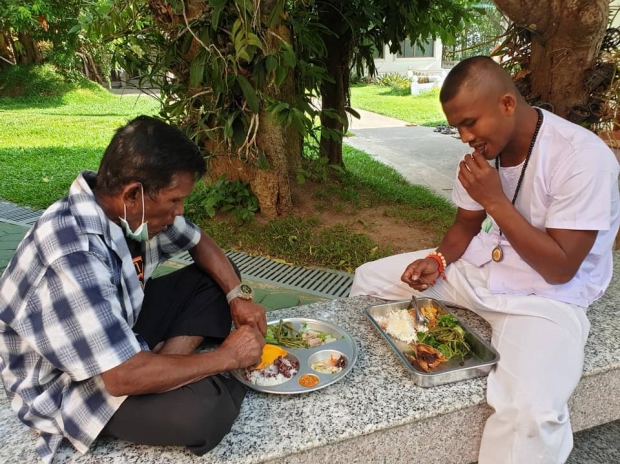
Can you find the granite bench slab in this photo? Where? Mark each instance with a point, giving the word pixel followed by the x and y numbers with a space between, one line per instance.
pixel 375 414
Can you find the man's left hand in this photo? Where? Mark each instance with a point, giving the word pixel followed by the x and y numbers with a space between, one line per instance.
pixel 480 179
pixel 246 312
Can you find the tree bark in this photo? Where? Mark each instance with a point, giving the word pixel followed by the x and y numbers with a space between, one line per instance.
pixel 5 51
pixel 271 186
pixel 281 146
pixel 31 53
pixel 334 95
pixel 566 38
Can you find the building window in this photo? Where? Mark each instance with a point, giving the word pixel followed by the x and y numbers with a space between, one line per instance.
pixel 419 50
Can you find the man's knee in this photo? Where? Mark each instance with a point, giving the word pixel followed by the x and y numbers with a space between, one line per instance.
pixel 207 421
pixel 532 418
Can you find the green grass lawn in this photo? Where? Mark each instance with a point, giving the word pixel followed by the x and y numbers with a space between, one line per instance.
pixel 365 183
pixel 423 109
pixel 46 141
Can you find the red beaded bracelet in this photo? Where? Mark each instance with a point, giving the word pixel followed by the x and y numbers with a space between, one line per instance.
pixel 440 263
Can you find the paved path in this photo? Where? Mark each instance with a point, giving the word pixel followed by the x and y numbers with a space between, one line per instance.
pixel 422 156
pixel 425 157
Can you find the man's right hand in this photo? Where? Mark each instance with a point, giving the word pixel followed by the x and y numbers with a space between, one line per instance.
pixel 421 274
pixel 245 346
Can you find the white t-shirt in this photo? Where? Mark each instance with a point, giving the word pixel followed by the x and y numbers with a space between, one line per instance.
pixel 571 182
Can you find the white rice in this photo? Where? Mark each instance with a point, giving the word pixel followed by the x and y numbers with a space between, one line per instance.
pixel 269 376
pixel 399 324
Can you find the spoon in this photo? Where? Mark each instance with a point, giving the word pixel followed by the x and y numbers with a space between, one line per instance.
pixel 420 320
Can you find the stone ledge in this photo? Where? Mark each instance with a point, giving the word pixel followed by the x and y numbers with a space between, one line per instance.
pixel 375 414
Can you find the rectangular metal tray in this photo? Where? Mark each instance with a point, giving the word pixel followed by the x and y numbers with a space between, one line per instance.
pixel 477 364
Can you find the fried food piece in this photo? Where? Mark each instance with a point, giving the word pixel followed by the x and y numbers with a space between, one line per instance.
pixel 430 313
pixel 425 356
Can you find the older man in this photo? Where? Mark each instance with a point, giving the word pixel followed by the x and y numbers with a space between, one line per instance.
pixel 89 344
pixel 530 250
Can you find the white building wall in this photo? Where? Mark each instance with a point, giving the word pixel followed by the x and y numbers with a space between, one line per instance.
pixel 427 65
pixel 614 8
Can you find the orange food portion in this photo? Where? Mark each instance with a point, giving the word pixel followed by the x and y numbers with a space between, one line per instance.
pixel 308 380
pixel 270 354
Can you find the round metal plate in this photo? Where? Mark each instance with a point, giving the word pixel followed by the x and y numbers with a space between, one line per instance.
pixel 344 344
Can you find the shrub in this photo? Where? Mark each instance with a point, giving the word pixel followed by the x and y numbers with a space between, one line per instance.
pixel 223 195
pixel 42 80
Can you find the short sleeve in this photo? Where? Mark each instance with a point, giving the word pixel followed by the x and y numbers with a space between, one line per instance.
pixel 180 236
pixel 75 318
pixel 461 198
pixel 581 195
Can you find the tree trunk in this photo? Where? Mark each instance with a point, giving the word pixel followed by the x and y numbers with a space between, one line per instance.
pixel 281 147
pixel 566 38
pixel 271 186
pixel 334 95
pixel 31 53
pixel 5 51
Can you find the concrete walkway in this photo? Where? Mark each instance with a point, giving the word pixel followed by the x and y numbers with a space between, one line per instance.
pixel 422 156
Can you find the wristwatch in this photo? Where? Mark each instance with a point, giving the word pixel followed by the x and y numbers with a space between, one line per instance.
pixel 243 291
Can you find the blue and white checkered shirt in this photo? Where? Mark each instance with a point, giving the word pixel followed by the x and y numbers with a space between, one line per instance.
pixel 68 302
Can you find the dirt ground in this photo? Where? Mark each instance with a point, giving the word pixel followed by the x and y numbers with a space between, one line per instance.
pixel 382 228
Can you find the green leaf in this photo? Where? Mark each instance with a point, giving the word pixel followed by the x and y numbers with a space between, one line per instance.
pixel 263 162
pixel 280 75
pixel 187 41
pixel 276 14
pixel 75 28
pixel 249 93
pixel 287 54
pixel 352 112
pixel 239 131
pixel 252 39
pixel 270 63
pixel 217 3
pixel 197 69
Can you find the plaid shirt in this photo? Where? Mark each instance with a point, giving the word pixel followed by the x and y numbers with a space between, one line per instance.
pixel 68 302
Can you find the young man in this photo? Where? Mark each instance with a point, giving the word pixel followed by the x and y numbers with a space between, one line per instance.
pixel 529 251
pixel 89 345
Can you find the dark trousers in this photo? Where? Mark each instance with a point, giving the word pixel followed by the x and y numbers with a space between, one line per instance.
pixel 187 302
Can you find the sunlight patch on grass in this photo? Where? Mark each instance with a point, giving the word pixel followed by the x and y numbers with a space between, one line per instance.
pixel 423 109
pixel 46 142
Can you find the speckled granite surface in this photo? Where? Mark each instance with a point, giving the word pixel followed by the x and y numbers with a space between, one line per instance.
pixel 375 414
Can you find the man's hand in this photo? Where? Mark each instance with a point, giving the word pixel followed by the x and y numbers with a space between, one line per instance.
pixel 246 312
pixel 421 274
pixel 244 346
pixel 480 179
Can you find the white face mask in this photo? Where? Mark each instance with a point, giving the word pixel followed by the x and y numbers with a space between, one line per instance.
pixel 141 234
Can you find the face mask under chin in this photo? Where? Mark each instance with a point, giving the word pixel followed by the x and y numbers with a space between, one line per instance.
pixel 141 234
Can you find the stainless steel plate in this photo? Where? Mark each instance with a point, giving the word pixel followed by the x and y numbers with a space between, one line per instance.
pixel 477 364
pixel 344 345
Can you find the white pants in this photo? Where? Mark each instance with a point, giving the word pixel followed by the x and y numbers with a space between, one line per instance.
pixel 541 345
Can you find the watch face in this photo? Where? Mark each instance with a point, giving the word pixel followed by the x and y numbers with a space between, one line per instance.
pixel 246 289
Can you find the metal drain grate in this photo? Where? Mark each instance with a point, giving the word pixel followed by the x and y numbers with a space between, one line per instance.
pixel 320 282
pixel 18 215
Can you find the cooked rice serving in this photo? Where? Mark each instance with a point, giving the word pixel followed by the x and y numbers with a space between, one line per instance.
pixel 280 371
pixel 399 324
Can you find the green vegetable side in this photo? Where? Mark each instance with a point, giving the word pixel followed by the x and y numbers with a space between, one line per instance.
pixel 447 336
pixel 284 334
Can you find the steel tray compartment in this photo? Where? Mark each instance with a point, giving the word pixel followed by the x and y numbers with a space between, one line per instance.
pixel 344 345
pixel 477 364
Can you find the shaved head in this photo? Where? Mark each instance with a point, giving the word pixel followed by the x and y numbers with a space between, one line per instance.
pixel 479 74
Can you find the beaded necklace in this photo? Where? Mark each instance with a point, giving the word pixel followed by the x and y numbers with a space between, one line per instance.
pixel 498 254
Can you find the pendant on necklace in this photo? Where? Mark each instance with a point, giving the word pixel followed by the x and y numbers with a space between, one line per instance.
pixel 497 254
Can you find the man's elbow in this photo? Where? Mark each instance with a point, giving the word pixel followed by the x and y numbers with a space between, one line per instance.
pixel 561 276
pixel 114 387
